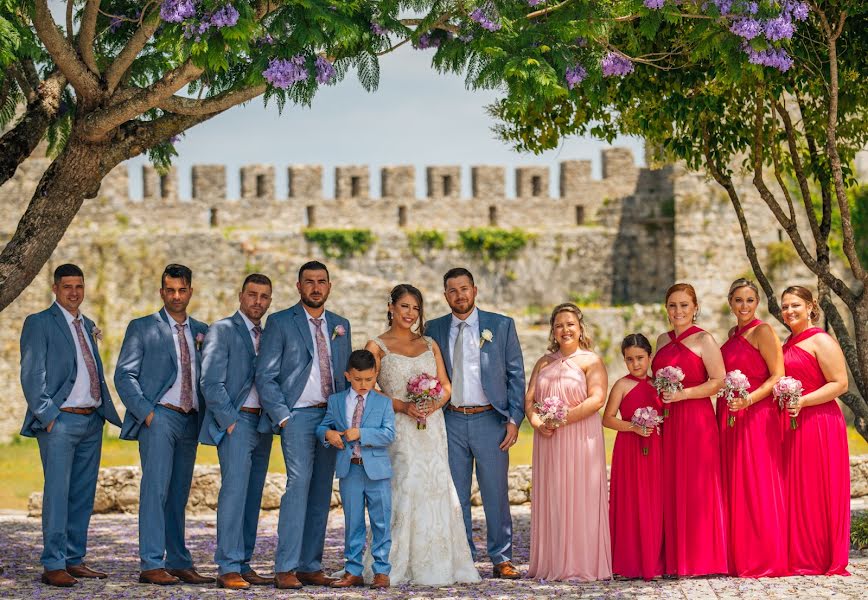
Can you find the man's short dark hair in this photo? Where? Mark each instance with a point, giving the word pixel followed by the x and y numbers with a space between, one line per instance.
pixel 67 270
pixel 176 272
pixel 457 272
pixel 313 265
pixel 361 360
pixel 257 278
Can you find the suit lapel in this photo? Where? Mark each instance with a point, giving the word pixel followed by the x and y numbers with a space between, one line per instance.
pixel 368 408
pixel 301 321
pixel 441 336
pixel 484 323
pixel 338 361
pixel 88 326
pixel 60 320
pixel 241 329
pixel 167 334
pixel 342 413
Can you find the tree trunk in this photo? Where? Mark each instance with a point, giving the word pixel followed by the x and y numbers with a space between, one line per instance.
pixel 75 175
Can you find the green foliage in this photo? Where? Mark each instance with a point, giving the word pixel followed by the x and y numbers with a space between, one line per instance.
pixel 492 243
pixel 780 254
pixel 859 531
pixel 341 243
pixel 425 239
pixel 591 298
pixel 858 198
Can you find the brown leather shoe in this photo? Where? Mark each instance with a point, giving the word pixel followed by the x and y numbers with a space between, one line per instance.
pixel 381 581
pixel 348 580
pixel 505 570
pixel 190 576
pixel 287 581
pixel 158 577
pixel 253 578
pixel 58 578
pixel 315 578
pixel 84 572
pixel 232 581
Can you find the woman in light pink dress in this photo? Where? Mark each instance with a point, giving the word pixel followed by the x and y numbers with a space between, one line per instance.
pixel 816 458
pixel 569 527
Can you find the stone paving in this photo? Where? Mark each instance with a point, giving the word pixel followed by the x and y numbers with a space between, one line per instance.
pixel 113 547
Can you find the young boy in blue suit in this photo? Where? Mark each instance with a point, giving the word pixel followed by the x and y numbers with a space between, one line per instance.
pixel 360 424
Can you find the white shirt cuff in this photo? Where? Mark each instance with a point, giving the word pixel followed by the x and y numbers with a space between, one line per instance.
pixel 283 420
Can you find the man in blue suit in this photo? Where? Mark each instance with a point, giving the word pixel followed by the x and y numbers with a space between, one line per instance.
pixel 67 405
pixel 157 379
pixel 235 424
pixel 361 425
pixel 484 362
pixel 304 350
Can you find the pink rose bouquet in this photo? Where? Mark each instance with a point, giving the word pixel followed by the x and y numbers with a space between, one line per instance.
pixel 668 379
pixel 735 385
pixel 421 389
pixel 552 411
pixel 788 390
pixel 647 418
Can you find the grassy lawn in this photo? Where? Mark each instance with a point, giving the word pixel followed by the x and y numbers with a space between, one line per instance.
pixel 21 471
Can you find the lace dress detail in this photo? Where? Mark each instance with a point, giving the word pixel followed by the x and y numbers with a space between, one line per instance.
pixel 429 544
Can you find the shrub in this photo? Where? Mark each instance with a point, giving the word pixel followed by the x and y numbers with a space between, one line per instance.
pixel 341 243
pixel 492 243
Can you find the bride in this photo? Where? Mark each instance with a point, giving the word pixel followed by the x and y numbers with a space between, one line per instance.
pixel 429 543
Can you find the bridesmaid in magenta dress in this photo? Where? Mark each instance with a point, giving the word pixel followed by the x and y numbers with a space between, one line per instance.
pixel 694 526
pixel 636 500
pixel 751 448
pixel 816 458
pixel 569 528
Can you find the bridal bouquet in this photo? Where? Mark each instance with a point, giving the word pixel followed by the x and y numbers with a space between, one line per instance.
pixel 552 411
pixel 422 389
pixel 668 379
pixel 735 384
pixel 788 390
pixel 646 417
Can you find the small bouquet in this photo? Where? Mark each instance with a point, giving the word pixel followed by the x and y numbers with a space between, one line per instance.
pixel 735 384
pixel 421 389
pixel 788 390
pixel 552 411
pixel 668 379
pixel 646 417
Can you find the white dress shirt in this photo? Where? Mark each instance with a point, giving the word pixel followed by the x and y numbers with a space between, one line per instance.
pixel 173 395
pixel 252 400
pixel 79 395
pixel 351 404
pixel 311 395
pixel 472 392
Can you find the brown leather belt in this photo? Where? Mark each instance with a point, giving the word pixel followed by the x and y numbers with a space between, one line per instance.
pixel 252 411
pixel 356 461
pixel 469 410
pixel 178 409
pixel 79 410
pixel 320 405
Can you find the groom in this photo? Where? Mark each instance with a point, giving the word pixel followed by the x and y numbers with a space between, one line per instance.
pixel 483 360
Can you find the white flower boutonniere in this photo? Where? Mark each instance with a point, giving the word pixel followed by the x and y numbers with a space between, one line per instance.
pixel 339 331
pixel 486 336
pixel 96 332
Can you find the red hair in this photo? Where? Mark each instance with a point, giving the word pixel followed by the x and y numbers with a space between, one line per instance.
pixel 682 287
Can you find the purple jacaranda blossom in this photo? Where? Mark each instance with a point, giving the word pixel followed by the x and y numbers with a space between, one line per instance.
pixel 654 4
pixel 779 28
pixel 378 29
pixel 427 40
pixel 175 139
pixel 115 23
pixel 797 10
pixel 175 11
pixel 581 42
pixel 325 71
pixel 282 73
pixel 487 17
pixel 616 65
pixel 723 6
pixel 534 2
pixel 770 57
pixel 746 28
pixel 575 75
pixel 224 17
pixel 752 8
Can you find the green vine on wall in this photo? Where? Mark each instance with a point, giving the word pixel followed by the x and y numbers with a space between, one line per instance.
pixel 341 243
pixel 492 243
pixel 780 254
pixel 425 239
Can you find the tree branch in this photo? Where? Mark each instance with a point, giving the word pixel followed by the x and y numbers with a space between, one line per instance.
pixel 115 72
pixel 799 170
pixel 30 73
pixel 214 104
pixel 70 8
pixel 87 33
pixel 544 11
pixel 22 82
pixel 137 137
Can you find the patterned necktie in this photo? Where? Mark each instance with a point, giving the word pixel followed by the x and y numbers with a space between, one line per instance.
pixel 186 378
pixel 357 421
pixel 257 332
pixel 322 353
pixel 89 362
pixel 458 366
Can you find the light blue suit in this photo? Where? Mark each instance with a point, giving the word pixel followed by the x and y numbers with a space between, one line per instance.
pixel 146 369
pixel 228 367
pixel 286 355
pixel 70 453
pixel 368 483
pixel 478 437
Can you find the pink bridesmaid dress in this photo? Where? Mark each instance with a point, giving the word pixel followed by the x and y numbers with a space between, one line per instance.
pixel 816 473
pixel 694 526
pixel 569 529
pixel 636 498
pixel 751 452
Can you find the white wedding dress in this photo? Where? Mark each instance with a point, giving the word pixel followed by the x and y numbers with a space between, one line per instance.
pixel 429 544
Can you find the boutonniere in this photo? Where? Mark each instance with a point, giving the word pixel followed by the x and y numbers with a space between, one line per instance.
pixel 200 338
pixel 96 332
pixel 486 336
pixel 339 331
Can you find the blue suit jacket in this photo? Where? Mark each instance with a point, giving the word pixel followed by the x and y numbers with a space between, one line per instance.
pixel 48 369
pixel 147 367
pixel 500 361
pixel 286 354
pixel 228 367
pixel 377 432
